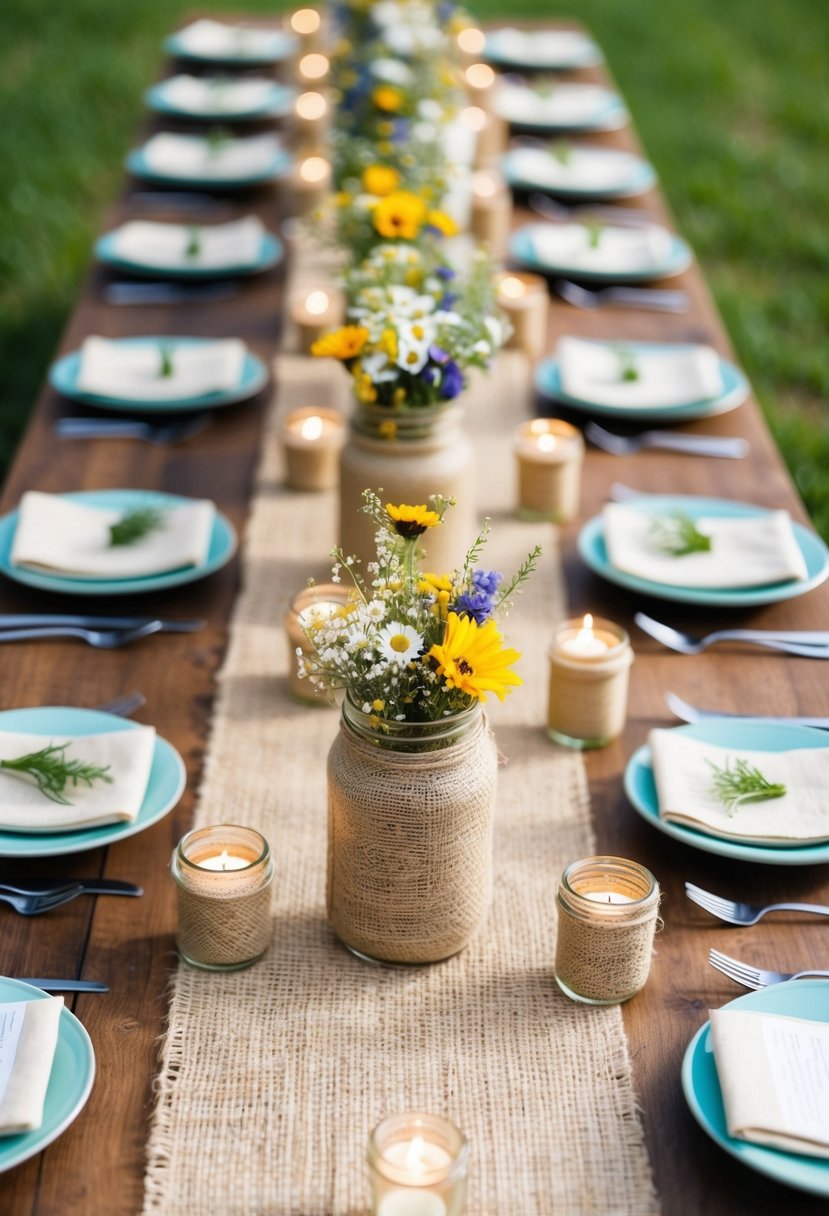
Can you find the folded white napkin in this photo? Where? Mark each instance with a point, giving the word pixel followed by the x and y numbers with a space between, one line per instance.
pixel 186 156
pixel 28 1040
pixel 745 552
pixel 542 48
pixel 165 246
pixel 129 753
pixel 217 95
pixel 592 372
pixel 566 104
pixel 618 250
pixel 132 372
pixel 216 39
pixel 588 169
pixel 774 1076
pixel 57 534
pixel 683 774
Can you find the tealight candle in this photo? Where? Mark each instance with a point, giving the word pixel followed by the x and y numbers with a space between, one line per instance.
pixel 312 438
pixel 480 81
pixel 306 23
pixel 490 215
pixel 313 67
pixel 417 1165
pixel 470 43
pixel 525 300
pixel 491 134
pixel 311 114
pixel 320 309
pixel 607 916
pixel 224 876
pixel 589 673
pixel 310 184
pixel 549 454
pixel 310 607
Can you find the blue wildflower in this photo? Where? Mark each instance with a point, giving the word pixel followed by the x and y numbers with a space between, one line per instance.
pixel 452 382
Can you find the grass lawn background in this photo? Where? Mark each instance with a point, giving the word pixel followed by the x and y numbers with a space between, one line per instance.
pixel 729 97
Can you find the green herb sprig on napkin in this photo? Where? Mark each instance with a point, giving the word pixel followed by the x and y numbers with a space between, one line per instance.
pixel 135 525
pixel 742 783
pixel 628 368
pixel 677 535
pixel 595 229
pixel 193 241
pixel 165 353
pixel 52 772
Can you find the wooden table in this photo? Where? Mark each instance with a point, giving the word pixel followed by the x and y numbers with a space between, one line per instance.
pixel 96 1167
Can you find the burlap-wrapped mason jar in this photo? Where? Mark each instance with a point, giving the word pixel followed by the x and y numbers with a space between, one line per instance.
pixel 410 834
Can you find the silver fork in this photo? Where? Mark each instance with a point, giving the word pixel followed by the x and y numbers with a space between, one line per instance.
pixel 736 913
pixel 727 446
pixel 646 298
pixel 755 977
pixel 34 905
pixel 128 428
pixel 690 713
pixel 101 639
pixel 813 645
pixel 623 217
pixel 123 706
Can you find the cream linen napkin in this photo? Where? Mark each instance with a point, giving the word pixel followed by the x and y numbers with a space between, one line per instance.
pixel 129 753
pixel 539 47
pixel 165 245
pixel 619 249
pixel 592 372
pixel 186 156
pixel 754 551
pixel 132 371
pixel 774 1077
pixel 683 774
pixel 32 1028
pixel 217 39
pixel 57 534
pixel 216 95
pixel 584 169
pixel 565 105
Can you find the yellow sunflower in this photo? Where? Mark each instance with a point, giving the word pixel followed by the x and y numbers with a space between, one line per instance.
pixel 387 98
pixel 473 660
pixel 443 222
pixel 380 180
pixel 399 214
pixel 440 586
pixel 411 521
pixel 345 343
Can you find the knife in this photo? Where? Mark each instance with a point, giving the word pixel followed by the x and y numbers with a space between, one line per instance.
pixel 91 886
pixel 63 985
pixel 36 620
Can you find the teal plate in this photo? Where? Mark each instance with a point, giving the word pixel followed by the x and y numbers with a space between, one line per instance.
pixel 282 47
pixel 271 252
pixel 280 102
pixel 593 551
pixel 641 177
pixel 751 734
pixel 611 116
pixel 70 1083
pixel 807 999
pixel 63 377
pixel 136 163
pixel 221 550
pixel 521 250
pixel 587 54
pixel 164 789
pixel 734 392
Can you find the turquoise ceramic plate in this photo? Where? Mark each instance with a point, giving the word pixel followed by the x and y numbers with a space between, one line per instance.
pixel 611 115
pixel 63 377
pixel 280 45
pixel 521 250
pixel 734 392
pixel 278 103
pixel 751 734
pixel 164 789
pixel 271 253
pixel 639 177
pixel 593 551
pixel 221 550
pixel 578 51
pixel 136 163
pixel 808 999
pixel 70 1083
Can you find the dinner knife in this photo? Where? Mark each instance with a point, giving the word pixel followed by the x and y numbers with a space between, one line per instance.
pixel 50 985
pixel 45 619
pixel 91 886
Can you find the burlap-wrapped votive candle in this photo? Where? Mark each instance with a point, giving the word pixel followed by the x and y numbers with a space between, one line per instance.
pixel 549 455
pixel 490 211
pixel 309 608
pixel 417 1166
pixel 589 673
pixel 224 874
pixel 526 301
pixel 607 916
pixel 312 438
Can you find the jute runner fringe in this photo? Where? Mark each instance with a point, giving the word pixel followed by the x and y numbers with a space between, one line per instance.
pixel 272 1078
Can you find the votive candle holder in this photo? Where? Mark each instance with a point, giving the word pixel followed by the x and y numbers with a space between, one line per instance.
pixel 417 1165
pixel 310 607
pixel 590 664
pixel 549 455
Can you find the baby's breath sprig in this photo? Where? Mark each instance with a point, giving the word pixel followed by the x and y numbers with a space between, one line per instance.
pixel 52 772
pixel 742 783
pixel 677 535
pixel 135 525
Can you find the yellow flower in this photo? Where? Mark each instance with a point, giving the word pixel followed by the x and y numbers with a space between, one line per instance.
pixel 473 660
pixel 387 98
pixel 387 429
pixel 398 396
pixel 399 214
pixel 378 706
pixel 364 388
pixel 440 586
pixel 380 180
pixel 443 222
pixel 345 343
pixel 412 521
pixel 388 343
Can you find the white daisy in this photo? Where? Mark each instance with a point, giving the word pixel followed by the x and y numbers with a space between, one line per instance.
pixel 399 643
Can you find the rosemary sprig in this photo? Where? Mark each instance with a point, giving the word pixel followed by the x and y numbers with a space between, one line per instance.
pixel 677 535
pixel 742 783
pixel 217 139
pixel 193 247
pixel 595 228
pixel 135 525
pixel 52 772
pixel 628 369
pixel 562 151
pixel 545 86
pixel 165 353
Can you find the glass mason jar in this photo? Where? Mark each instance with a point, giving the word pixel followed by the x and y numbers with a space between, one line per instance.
pixel 417 1164
pixel 406 458
pixel 410 834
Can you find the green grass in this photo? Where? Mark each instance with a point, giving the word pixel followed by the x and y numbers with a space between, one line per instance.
pixel 729 97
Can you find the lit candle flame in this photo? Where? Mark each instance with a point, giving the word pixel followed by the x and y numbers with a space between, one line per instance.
pixel 414 1155
pixel 480 76
pixel 312 427
pixel 585 635
pixel 484 185
pixel 317 303
pixel 311 106
pixel 305 21
pixel 313 66
pixel 314 170
pixel 512 287
pixel 471 41
pixel 547 442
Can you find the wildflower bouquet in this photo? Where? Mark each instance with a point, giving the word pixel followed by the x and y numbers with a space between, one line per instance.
pixel 379 209
pixel 413 646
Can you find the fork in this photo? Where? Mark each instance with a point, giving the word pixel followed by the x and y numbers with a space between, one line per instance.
pixel 34 905
pixel 646 298
pixel 123 706
pixel 130 428
pixel 744 914
pixel 690 713
pixel 755 977
pixel 727 446
pixel 168 293
pixel 623 217
pixel 807 644
pixel 101 639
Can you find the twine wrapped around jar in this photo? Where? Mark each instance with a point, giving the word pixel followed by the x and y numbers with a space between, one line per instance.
pixel 410 835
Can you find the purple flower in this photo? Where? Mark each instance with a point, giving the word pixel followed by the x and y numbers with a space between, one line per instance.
pixel 430 374
pixel 487 581
pixel 445 272
pixel 449 298
pixel 438 355
pixel 452 381
pixel 476 604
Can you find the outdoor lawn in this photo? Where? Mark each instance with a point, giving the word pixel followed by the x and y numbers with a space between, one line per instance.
pixel 730 99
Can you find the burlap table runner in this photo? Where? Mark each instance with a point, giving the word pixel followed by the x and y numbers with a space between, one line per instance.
pixel 271 1079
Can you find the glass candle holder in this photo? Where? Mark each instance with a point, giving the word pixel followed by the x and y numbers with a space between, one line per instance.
pixel 312 116
pixel 607 915
pixel 310 184
pixel 224 874
pixel 490 211
pixel 320 309
pixel 312 438
pixel 526 301
pixel 549 453
pixel 418 1166
pixel 589 674
pixel 307 608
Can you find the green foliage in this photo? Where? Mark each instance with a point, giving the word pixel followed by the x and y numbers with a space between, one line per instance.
pixel 52 772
